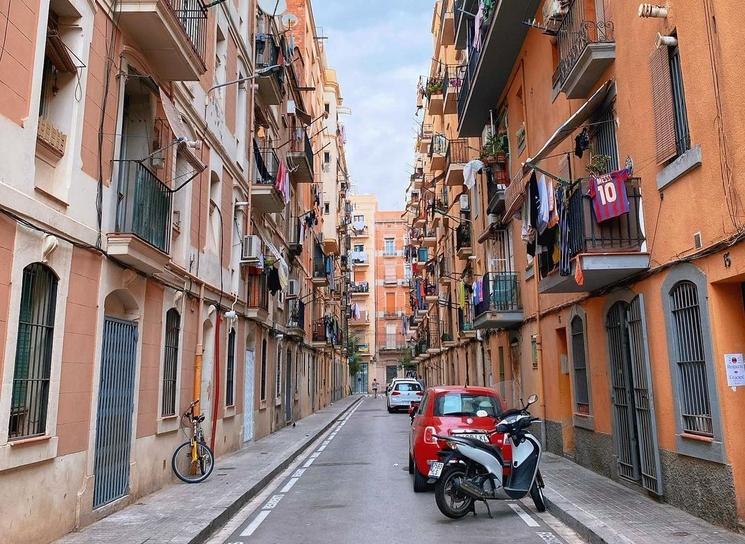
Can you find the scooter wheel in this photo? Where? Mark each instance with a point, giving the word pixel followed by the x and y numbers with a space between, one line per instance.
pixel 536 493
pixel 452 503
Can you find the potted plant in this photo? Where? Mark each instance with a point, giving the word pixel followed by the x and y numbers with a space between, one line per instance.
pixel 493 151
pixel 446 337
pixel 598 165
pixel 434 86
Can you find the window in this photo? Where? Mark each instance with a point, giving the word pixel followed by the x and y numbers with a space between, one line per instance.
pixel 500 352
pixel 327 107
pixel 359 248
pixel 170 363
pixel 278 375
pixel 581 394
pixel 603 137
pixel 668 100
pixel 263 370
pixel 326 157
pixel 690 360
pixel 390 303
pixel 33 364
pixel 230 371
pixel 326 208
pixel 358 219
pixel 465 404
pixel 390 273
pixel 390 246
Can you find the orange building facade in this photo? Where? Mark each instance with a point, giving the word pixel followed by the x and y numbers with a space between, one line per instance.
pixel 619 300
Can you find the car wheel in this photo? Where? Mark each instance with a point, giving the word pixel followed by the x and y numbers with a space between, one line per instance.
pixel 420 482
pixel 411 465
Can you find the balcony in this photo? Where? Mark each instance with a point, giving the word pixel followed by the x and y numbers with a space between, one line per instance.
pixel 360 288
pixel 455 160
pixel 265 197
pixel 430 292
pixel 586 47
pixel 390 343
pixel 435 95
pixel 437 152
pixel 500 307
pixel 271 87
pixel 424 139
pixel 330 245
pixel 465 319
pixel 364 350
pixel 322 268
pixel 143 219
pixel 463 240
pixel 362 321
pixel 429 236
pixel 495 194
pixel 300 157
pixel 502 34
pixel 257 305
pixel 359 258
pixel 433 336
pixel 443 270
pixel 464 9
pixel 608 252
pixel 296 319
pixel 360 231
pixel 172 35
pixel 294 241
pixel 453 83
pixel 319 338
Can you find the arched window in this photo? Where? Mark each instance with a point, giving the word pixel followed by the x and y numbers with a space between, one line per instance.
pixel 170 362
pixel 263 369
pixel 579 365
pixel 690 359
pixel 230 371
pixel 33 364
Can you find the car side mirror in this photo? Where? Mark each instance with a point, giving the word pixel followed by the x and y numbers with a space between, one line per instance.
pixel 413 409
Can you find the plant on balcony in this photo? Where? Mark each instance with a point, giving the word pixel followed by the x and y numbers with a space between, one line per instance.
pixel 434 86
pixel 446 337
pixel 598 165
pixel 494 150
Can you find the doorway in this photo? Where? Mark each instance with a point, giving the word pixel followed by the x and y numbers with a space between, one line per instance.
pixel 288 386
pixel 360 380
pixel 248 396
pixel 635 432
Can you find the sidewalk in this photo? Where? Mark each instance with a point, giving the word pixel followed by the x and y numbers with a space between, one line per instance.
pixel 603 511
pixel 188 514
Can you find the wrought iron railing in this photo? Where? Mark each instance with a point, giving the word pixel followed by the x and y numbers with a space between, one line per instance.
pixel 144 205
pixel 302 144
pixel 620 234
pixel 466 315
pixel 296 319
pixel 457 152
pixel 258 294
pixel 266 165
pixel 439 145
pixel 453 78
pixel 495 194
pixel 576 32
pixel 463 236
pixel 267 54
pixel 500 293
pixel 359 287
pixel 319 330
pixel 192 15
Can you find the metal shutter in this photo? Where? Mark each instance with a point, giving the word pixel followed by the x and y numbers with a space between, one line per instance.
pixel 662 104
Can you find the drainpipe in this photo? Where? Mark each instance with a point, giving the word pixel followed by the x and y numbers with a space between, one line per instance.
pixel 216 398
pixel 539 347
pixel 199 354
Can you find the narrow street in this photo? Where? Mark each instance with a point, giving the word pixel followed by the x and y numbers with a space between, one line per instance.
pixel 353 486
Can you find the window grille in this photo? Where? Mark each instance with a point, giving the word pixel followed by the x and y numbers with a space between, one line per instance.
pixel 230 371
pixel 604 137
pixel 278 375
pixel 581 396
pixel 682 136
pixel 31 376
pixel 690 359
pixel 170 363
pixel 263 369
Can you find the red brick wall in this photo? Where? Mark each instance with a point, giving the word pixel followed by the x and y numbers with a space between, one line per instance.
pixel 78 352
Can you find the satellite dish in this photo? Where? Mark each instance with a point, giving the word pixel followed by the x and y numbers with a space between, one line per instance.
pixel 289 20
pixel 273 7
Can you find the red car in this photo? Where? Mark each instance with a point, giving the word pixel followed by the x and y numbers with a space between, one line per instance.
pixel 471 411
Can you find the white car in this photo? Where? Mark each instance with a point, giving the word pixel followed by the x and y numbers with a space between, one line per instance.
pixel 403 393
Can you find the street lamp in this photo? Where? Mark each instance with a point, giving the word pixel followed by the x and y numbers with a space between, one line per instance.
pixel 262 72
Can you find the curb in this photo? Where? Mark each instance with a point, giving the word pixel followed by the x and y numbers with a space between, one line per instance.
pixel 227 514
pixel 591 529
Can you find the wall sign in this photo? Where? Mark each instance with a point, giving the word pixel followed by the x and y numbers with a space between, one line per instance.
pixel 735 366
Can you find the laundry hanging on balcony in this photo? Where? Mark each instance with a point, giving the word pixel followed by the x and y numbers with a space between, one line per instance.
pixel 608 194
pixel 469 172
pixel 282 183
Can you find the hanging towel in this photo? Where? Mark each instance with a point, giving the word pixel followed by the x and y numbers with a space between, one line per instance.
pixel 543 215
pixel 272 282
pixel 284 274
pixel 476 43
pixel 469 172
pixel 565 259
pixel 579 274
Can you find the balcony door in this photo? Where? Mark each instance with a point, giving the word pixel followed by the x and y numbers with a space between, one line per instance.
pixel 390 303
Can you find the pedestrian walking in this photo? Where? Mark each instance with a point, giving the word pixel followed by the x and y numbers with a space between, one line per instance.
pixel 375 387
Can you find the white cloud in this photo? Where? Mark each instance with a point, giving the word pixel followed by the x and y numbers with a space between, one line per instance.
pixel 379 55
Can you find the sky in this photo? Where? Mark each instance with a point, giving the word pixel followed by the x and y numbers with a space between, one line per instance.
pixel 379 49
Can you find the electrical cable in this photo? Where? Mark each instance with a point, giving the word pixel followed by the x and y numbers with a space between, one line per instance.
pixel 5 32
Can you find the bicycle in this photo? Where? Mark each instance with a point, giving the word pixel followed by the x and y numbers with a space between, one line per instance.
pixel 193 461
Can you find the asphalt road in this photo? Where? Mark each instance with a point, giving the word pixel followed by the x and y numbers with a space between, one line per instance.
pixel 353 486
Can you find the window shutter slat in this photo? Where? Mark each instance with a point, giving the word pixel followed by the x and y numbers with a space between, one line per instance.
pixel 662 104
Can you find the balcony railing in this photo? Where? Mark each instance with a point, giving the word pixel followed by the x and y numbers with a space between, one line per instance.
pixel 457 152
pixel 319 331
pixel 463 236
pixel 267 54
pixel 144 205
pixel 453 79
pixel 576 32
pixel 501 293
pixel 466 316
pixel 258 294
pixel 359 287
pixel 495 194
pixel 439 145
pixel 296 319
pixel 303 145
pixel 322 267
pixel 394 341
pixel 359 257
pixel 192 15
pixel 620 234
pixel 266 165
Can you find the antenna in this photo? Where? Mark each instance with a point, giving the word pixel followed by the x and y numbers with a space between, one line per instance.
pixel 273 7
pixel 289 20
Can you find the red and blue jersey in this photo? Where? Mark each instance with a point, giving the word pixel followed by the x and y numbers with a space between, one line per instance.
pixel 608 193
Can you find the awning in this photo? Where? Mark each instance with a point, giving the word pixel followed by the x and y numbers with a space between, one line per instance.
pixel 174 119
pixel 577 119
pixel 515 193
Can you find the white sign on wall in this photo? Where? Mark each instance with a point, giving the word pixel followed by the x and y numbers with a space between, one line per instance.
pixel 735 366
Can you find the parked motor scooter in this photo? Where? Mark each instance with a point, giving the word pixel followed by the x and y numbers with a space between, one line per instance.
pixel 470 470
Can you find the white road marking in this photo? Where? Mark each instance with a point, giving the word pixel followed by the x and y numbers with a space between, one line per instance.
pixel 299 472
pixel 309 462
pixel 530 522
pixel 251 527
pixel 315 455
pixel 321 448
pixel 289 485
pixel 271 503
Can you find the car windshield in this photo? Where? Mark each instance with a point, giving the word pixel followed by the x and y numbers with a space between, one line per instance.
pixel 465 404
pixel 408 387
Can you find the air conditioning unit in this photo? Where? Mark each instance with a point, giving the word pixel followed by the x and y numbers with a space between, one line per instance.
pixel 293 290
pixel 250 249
pixel 554 10
pixel 464 204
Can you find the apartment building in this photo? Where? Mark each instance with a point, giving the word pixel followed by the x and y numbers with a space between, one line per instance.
pixel 576 214
pixel 392 275
pixel 152 224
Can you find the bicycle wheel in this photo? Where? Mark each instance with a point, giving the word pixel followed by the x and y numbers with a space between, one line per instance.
pixel 189 470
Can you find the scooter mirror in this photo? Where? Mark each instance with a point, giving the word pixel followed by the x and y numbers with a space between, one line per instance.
pixel 532 399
